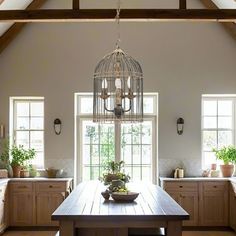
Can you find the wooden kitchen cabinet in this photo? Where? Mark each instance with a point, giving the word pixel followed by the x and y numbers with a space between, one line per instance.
pixel 3 207
pixel 33 202
pixel 21 204
pixel 49 197
pixel 214 203
pixel 232 207
pixel 186 195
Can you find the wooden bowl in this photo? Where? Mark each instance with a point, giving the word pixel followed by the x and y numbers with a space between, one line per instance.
pixel 124 197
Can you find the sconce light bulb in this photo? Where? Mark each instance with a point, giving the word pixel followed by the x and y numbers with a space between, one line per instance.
pixel 118 83
pixel 104 84
pixel 128 82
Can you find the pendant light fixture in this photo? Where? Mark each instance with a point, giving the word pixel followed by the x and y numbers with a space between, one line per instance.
pixel 118 86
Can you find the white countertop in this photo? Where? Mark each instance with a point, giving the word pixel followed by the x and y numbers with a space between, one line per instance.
pixel 233 179
pixel 37 179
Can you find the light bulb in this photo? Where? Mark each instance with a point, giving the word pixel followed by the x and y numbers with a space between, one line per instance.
pixel 118 83
pixel 104 84
pixel 128 82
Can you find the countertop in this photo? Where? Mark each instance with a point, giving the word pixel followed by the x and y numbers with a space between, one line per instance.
pixel 232 179
pixel 37 179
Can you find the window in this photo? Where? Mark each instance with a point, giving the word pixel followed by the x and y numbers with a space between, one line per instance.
pixel 135 144
pixel 28 126
pixel 218 121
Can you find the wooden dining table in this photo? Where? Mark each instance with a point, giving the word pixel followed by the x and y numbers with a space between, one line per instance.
pixel 86 213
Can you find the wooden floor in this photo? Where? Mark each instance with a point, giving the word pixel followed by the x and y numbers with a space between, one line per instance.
pixel 52 233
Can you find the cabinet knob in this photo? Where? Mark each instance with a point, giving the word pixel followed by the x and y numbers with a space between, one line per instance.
pixel 181 186
pixel 215 186
pixel 50 186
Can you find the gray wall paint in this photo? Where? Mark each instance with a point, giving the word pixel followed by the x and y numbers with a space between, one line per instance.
pixel 181 61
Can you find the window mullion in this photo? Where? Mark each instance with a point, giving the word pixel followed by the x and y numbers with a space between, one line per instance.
pixel 117 141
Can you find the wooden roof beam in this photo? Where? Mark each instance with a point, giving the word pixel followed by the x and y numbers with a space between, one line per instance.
pixel 16 28
pixel 63 15
pixel 230 27
pixel 76 4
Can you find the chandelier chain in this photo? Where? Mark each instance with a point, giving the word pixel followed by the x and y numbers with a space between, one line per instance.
pixel 118 23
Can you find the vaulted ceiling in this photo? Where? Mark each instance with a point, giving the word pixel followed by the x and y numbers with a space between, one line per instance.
pixel 9 30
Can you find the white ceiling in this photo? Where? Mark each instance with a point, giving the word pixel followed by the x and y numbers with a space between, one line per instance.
pixel 11 4
pixel 22 4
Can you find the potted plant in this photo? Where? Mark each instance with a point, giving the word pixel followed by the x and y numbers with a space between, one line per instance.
pixel 24 172
pixel 114 177
pixel 20 156
pixel 228 156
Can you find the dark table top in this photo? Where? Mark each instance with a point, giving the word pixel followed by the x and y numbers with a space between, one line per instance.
pixel 86 203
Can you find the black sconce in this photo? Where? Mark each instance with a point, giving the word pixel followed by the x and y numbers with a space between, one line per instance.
pixel 180 126
pixel 57 126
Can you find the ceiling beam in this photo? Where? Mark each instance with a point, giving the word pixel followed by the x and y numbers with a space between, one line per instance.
pixel 59 15
pixel 230 27
pixel 76 4
pixel 16 28
pixel 182 4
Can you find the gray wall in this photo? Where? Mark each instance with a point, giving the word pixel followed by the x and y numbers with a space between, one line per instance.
pixel 181 61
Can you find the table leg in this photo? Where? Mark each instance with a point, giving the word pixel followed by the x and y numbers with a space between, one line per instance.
pixel 174 228
pixel 67 228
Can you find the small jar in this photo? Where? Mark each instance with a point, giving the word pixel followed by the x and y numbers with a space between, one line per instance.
pixel 181 173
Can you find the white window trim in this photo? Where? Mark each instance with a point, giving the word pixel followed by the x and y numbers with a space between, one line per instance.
pixel 218 98
pixel 78 171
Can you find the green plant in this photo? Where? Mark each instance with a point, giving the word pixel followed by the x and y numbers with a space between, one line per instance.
pixel 113 171
pixel 4 155
pixel 21 156
pixel 226 154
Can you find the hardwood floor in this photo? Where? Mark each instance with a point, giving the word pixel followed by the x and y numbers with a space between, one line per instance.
pixel 52 233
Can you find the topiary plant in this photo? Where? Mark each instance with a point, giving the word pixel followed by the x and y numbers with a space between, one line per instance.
pixel 226 154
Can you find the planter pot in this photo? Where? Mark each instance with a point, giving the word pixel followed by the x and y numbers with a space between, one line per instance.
pixel 16 171
pixel 227 170
pixel 24 174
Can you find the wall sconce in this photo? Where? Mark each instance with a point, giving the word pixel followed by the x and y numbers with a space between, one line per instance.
pixel 180 126
pixel 57 126
pixel 2 131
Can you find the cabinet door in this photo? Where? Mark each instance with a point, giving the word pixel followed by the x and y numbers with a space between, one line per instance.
pixel 189 201
pixel 46 204
pixel 3 208
pixel 214 204
pixel 233 207
pixel 21 209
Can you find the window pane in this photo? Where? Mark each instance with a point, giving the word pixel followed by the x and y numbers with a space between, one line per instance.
pixel 210 108
pixel 209 140
pixel 127 154
pixel 148 105
pixel 209 158
pixel 98 147
pixel 225 122
pixel 225 108
pixel 22 109
pixel 37 109
pixel 39 160
pixel 224 138
pixel 209 122
pixel 22 123
pixel 147 132
pixel 36 140
pixel 86 173
pixel 22 138
pixel 146 154
pixel 146 173
pixel 136 154
pixel 36 123
pixel 86 105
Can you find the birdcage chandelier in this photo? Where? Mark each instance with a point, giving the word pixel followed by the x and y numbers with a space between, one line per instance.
pixel 118 87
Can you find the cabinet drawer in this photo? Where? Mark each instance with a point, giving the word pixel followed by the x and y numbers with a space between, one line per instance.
pixel 215 186
pixel 181 186
pixel 51 187
pixel 21 187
